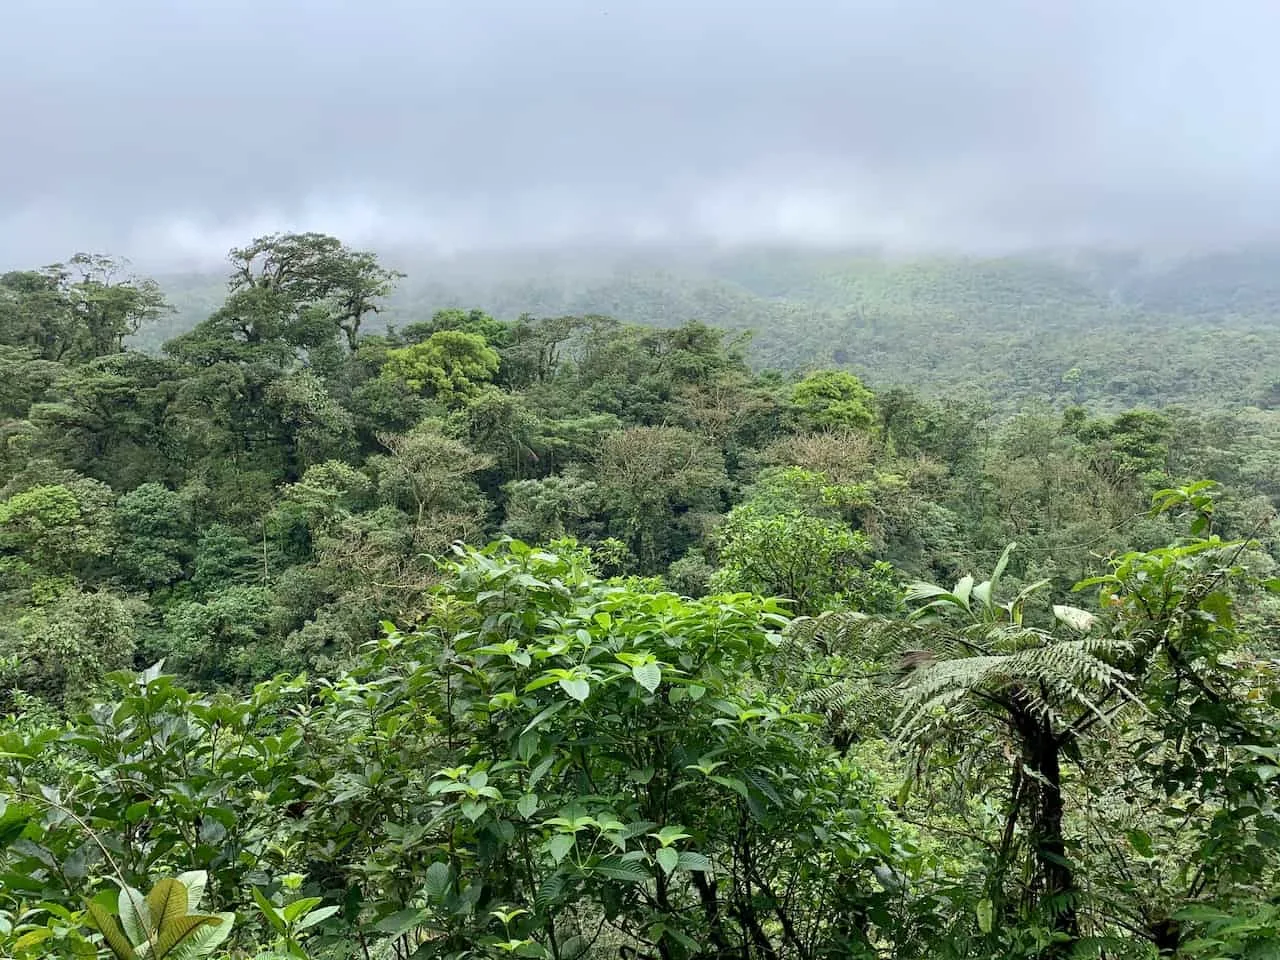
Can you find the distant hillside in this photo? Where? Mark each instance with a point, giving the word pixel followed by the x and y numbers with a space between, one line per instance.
pixel 1108 330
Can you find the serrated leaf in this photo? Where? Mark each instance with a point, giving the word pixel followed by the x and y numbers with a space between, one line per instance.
pixel 648 675
pixel 111 932
pixel 205 940
pixel 985 910
pixel 668 858
pixel 549 892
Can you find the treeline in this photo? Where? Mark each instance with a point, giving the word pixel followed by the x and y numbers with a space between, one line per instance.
pixel 276 482
pixel 1106 330
pixel 420 736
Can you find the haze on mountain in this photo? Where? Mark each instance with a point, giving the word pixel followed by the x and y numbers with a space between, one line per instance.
pixel 169 131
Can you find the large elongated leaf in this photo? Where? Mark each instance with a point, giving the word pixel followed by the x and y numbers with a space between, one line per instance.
pixel 111 932
pixel 628 871
pixel 180 929
pixel 167 902
pixel 205 940
pixel 135 916
pixel 195 882
pixel 269 910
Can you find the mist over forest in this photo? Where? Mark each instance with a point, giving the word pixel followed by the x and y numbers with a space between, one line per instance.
pixel 618 480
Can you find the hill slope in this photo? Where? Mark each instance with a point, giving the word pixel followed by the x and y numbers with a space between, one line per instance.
pixel 1110 331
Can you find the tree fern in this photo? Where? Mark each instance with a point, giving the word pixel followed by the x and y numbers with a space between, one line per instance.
pixel 962 662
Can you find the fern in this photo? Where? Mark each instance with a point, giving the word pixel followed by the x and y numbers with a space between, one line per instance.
pixel 959 654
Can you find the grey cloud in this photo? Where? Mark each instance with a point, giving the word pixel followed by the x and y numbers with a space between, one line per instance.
pixel 172 129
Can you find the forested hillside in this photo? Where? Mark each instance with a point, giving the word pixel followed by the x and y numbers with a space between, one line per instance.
pixel 1108 330
pixel 350 614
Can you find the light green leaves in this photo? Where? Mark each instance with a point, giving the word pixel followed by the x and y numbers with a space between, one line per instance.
pixel 560 845
pixel 645 669
pixel 575 687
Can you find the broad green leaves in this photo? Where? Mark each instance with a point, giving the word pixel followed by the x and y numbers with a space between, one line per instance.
pixel 161 925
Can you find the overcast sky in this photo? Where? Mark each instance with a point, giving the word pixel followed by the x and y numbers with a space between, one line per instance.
pixel 175 128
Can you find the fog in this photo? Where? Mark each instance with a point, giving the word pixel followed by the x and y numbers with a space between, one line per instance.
pixel 168 131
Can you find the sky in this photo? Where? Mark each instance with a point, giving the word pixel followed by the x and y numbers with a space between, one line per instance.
pixel 170 130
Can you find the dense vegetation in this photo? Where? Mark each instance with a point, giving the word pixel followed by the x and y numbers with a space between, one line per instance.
pixel 452 636
pixel 1108 330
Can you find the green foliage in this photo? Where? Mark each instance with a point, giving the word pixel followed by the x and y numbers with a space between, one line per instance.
pixel 163 922
pixel 807 559
pixel 449 365
pixel 555 756
pixel 832 400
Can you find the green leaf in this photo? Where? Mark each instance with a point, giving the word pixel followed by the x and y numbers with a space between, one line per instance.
pixel 693 861
pixel 985 910
pixel 669 835
pixel 549 891
pixel 292 911
pixel 437 880
pixel 31 938
pixel 135 917
pixel 648 675
pixel 668 858
pixel 167 902
pixel 615 868
pixel 178 929
pixel 269 911
pixel 401 922
pixel 111 932
pixel 1001 564
pixel 316 916
pixel 576 687
pixel 546 714
pixel 560 846
pixel 734 784
pixel 1141 841
pixel 527 805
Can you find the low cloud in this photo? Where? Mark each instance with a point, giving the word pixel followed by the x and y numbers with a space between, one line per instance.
pixel 171 131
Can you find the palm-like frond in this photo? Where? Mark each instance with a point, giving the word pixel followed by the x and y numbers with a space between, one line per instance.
pixel 910 678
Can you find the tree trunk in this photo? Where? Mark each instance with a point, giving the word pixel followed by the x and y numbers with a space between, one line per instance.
pixel 1059 891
